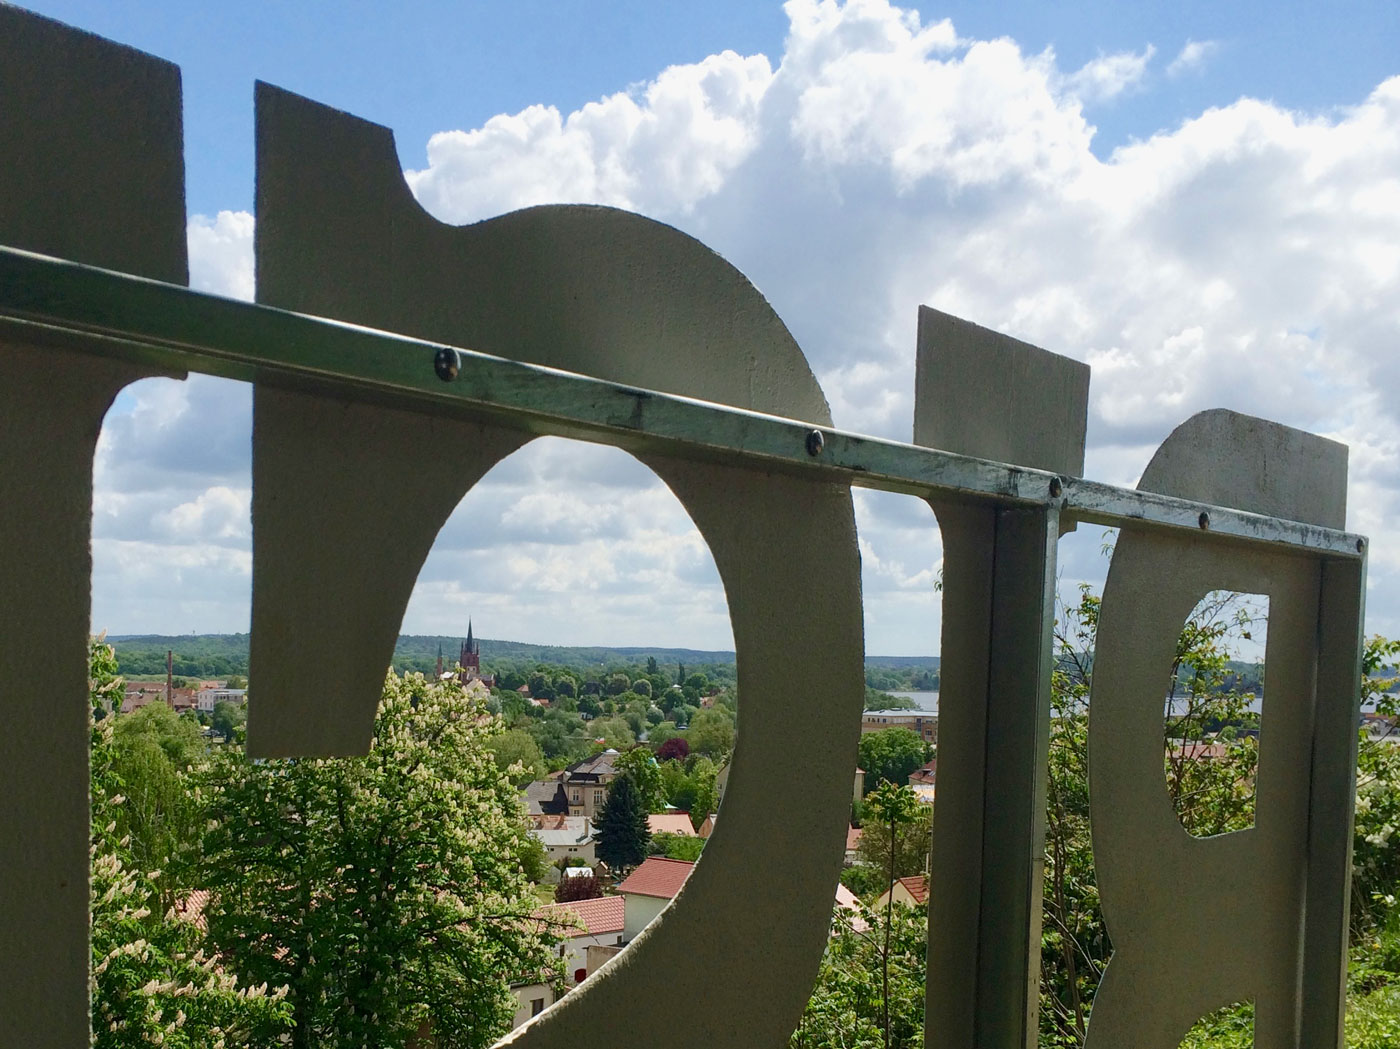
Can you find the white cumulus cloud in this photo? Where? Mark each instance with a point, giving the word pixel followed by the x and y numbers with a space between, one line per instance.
pixel 1108 76
pixel 221 253
pixel 1192 57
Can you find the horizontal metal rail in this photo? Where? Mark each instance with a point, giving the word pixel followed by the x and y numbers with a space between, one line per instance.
pixel 174 328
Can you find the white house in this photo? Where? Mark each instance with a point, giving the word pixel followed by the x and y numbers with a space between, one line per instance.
pixel 584 924
pixel 531 1000
pixel 208 697
pixel 648 889
pixel 566 838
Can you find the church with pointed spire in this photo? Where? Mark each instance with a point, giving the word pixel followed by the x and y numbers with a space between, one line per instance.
pixel 468 662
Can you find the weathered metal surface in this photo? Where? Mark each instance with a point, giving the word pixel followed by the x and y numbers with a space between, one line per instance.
pixel 1165 972
pixel 114 315
pixel 988 395
pixel 1331 803
pixel 1026 405
pixel 989 818
pixel 92 169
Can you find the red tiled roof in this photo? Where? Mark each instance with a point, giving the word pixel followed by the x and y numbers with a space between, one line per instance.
pixel 601 915
pixel 917 887
pixel 847 901
pixel 853 835
pixel 191 909
pixel 927 773
pixel 657 876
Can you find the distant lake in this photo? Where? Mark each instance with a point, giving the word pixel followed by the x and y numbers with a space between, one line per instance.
pixel 929 701
pixel 922 700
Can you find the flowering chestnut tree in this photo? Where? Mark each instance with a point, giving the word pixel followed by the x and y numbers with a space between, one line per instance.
pixel 385 892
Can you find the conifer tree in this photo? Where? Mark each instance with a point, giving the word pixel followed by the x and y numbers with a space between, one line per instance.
pixel 622 826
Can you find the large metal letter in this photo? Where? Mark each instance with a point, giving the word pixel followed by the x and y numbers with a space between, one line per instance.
pixel 984 394
pixel 92 171
pixel 348 497
pixel 1283 881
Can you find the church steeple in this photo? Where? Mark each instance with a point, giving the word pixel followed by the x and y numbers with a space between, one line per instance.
pixel 469 664
pixel 470 659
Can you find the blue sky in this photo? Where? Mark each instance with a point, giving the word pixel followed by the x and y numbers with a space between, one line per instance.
pixel 1200 200
pixel 420 66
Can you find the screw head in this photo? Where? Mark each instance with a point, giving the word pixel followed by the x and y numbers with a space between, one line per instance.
pixel 815 442
pixel 1056 487
pixel 1203 520
pixel 447 362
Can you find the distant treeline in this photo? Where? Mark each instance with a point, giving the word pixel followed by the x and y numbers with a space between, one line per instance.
pixel 420 651
pixel 223 655
pixel 902 673
pixel 196 655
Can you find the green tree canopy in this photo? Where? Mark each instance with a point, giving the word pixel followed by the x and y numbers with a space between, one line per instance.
pixel 890 755
pixel 641 766
pixel 711 733
pixel 151 985
pixel 385 892
pixel 847 1006
pixel 178 737
pixel 677 846
pixel 912 843
pixel 518 755
pixel 228 719
pixel 613 731
pixel 152 750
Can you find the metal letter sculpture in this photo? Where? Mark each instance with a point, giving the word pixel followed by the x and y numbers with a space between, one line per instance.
pixel 602 325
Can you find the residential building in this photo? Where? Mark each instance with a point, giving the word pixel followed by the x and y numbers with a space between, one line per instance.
pixel 141 693
pixel 138 695
pixel 923 781
pixel 853 835
pixel 531 1000
pixel 920 722
pixel 850 906
pixel 679 823
pixel 585 924
pixel 1380 727
pixel 545 798
pixel 592 931
pixel 566 838
pixel 909 891
pixel 207 698
pixel 648 889
pixel 586 783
